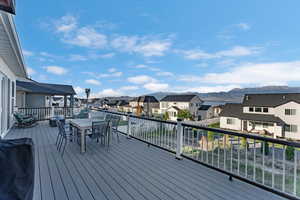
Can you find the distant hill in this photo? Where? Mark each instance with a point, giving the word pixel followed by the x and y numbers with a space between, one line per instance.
pixel 235 95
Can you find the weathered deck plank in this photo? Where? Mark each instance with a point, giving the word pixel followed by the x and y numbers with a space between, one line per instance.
pixel 128 170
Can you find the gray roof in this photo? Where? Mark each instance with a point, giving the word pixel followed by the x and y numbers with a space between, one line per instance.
pixel 204 107
pixel 270 100
pixel 45 88
pixel 146 99
pixel 236 110
pixel 179 98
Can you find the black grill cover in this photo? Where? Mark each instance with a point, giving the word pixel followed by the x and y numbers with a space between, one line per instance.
pixel 16 169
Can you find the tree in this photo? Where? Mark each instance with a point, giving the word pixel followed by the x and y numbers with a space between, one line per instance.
pixel 290 153
pixel 166 116
pixel 184 114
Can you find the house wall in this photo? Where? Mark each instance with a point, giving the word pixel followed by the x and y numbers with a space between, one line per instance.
pixel 206 114
pixel 7 101
pixel 290 119
pixel 21 99
pixel 237 125
pixel 35 100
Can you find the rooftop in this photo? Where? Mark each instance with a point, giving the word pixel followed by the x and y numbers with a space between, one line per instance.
pixel 128 170
pixel 270 100
pixel 145 99
pixel 179 98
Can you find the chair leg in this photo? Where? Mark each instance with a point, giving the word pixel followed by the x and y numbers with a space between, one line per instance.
pixel 57 139
pixel 65 144
pixel 60 142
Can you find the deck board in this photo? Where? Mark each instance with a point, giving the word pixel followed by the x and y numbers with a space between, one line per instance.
pixel 127 170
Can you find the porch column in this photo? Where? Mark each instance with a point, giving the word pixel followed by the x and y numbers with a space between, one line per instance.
pixel 65 101
pixel 72 101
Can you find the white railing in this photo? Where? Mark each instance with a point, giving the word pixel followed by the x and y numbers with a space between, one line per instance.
pixel 45 113
pixel 269 163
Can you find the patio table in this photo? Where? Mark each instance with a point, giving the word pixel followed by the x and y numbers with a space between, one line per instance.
pixel 83 125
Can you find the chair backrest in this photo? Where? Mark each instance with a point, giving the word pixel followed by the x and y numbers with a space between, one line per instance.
pixel 115 119
pixel 17 116
pixel 99 128
pixel 108 117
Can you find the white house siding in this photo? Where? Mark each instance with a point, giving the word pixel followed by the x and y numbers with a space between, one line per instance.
pixel 20 99
pixel 235 126
pixel 7 101
pixel 35 100
pixel 290 119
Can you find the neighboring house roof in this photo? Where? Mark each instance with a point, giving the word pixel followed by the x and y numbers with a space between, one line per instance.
pixel 145 99
pixel 236 110
pixel 174 107
pixel 179 98
pixel 270 100
pixel 45 88
pixel 204 107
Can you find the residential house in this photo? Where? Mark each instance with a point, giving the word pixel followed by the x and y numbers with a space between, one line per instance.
pixel 205 112
pixel 174 103
pixel 274 114
pixel 11 67
pixel 144 105
pixel 32 94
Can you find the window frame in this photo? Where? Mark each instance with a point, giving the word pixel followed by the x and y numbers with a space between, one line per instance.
pixel 290 112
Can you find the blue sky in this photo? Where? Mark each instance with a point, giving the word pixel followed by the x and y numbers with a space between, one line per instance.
pixel 140 46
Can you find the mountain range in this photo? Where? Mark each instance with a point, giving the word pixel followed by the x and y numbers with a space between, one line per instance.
pixel 235 95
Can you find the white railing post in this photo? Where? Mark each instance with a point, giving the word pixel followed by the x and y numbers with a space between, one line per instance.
pixel 52 111
pixel 128 126
pixel 179 143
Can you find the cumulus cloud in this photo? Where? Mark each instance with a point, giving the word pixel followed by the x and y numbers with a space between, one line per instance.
pixel 276 73
pixel 66 24
pixel 243 26
pixel 127 88
pixel 79 90
pixel 57 70
pixel 107 93
pixel 142 66
pixel 112 72
pixel 93 82
pixel 77 57
pixel 154 87
pixel 146 46
pixel 140 79
pixel 207 89
pixel 164 74
pixel 236 51
pixel 30 71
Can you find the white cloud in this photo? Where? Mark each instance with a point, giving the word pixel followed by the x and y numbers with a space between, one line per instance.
pixel 112 73
pixel 207 89
pixel 244 26
pixel 146 46
pixel 154 87
pixel 93 81
pixel 277 73
pixel 236 51
pixel 30 71
pixel 79 90
pixel 164 74
pixel 107 93
pixel 112 70
pixel 107 55
pixel 86 37
pixel 66 24
pixel 142 66
pixel 77 57
pixel 27 53
pixel 127 88
pixel 141 79
pixel 56 70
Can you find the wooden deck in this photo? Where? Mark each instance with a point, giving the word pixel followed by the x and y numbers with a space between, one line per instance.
pixel 129 170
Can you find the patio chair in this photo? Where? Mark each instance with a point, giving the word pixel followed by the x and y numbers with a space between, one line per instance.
pixel 100 131
pixel 62 137
pixel 115 120
pixel 16 169
pixel 24 121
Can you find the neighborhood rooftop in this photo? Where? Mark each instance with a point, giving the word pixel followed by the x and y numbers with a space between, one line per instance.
pixel 145 99
pixel 270 100
pixel 179 98
pixel 45 88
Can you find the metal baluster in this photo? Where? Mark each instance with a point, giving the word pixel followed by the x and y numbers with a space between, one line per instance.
pixel 246 159
pixel 231 147
pixel 206 147
pixel 218 152
pixel 198 145
pixel 212 150
pixel 283 175
pixel 202 153
pixel 254 161
pixel 263 162
pixel 224 151
pixel 273 163
pixel 295 172
pixel 238 167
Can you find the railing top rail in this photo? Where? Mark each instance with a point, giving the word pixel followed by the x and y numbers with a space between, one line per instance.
pixel 255 137
pixel 138 117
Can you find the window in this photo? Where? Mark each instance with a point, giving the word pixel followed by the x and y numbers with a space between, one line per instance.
pixel 258 109
pixel 230 121
pixel 251 109
pixel 291 128
pixel 290 111
pixel 265 110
